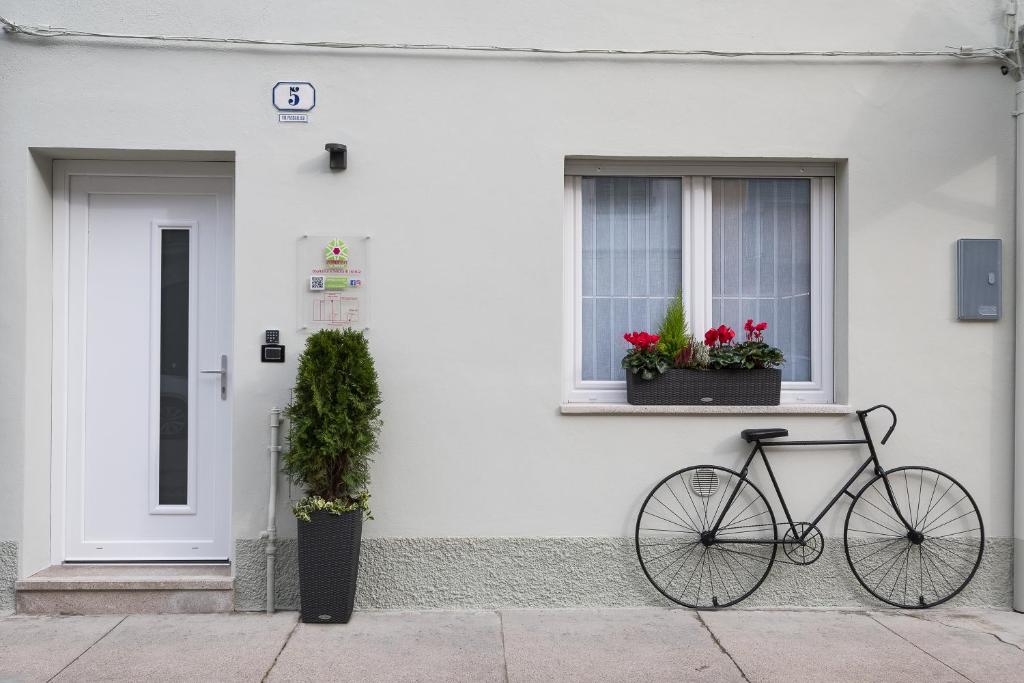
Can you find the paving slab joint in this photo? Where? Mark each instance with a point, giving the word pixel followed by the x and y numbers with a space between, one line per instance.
pixel 918 647
pixel 283 646
pixel 939 621
pixel 82 653
pixel 504 655
pixel 721 647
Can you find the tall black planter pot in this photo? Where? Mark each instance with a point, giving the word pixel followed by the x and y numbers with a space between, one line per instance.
pixel 328 566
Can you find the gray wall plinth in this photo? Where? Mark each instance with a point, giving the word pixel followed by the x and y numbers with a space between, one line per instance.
pixel 492 573
pixel 8 574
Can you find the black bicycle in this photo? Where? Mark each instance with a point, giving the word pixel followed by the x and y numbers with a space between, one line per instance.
pixel 706 537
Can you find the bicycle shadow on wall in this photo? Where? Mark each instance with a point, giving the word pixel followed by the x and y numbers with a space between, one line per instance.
pixel 707 536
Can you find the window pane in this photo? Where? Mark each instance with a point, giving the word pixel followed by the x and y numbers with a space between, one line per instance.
pixel 632 264
pixel 174 284
pixel 761 263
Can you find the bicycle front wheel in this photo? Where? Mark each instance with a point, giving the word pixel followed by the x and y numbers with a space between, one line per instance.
pixel 684 558
pixel 929 561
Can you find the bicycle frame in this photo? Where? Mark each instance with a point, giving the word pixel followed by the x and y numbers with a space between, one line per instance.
pixel 872 459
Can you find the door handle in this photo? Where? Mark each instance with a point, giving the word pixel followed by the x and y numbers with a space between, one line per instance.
pixel 223 372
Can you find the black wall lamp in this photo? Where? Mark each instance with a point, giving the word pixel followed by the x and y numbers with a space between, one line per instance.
pixel 339 156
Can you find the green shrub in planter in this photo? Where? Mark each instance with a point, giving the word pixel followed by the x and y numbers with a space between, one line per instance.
pixel 334 424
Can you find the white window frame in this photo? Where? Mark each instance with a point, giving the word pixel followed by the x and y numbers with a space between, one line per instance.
pixel 697 267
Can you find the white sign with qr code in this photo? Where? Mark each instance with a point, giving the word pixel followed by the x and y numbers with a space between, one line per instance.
pixel 334 290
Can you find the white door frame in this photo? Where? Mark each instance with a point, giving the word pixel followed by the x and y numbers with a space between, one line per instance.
pixel 63 171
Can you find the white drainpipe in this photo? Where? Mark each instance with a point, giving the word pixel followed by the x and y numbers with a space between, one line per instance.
pixel 1018 418
pixel 271 533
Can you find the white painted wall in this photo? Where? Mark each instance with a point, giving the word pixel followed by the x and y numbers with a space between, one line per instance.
pixel 455 168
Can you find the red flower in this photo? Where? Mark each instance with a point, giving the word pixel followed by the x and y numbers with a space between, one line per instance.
pixel 725 334
pixel 711 337
pixel 641 341
pixel 754 331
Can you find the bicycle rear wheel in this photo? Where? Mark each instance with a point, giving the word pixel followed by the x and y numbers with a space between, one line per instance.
pixel 928 563
pixel 679 554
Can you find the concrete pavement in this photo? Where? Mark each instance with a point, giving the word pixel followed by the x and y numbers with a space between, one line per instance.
pixel 522 645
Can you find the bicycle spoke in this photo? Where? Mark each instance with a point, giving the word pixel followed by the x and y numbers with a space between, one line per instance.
pixel 939 516
pixel 668 485
pixel 895 519
pixel 669 521
pixel 722 499
pixel 892 566
pixel 948 556
pixel 876 533
pixel 935 486
pixel 690 497
pixel 969 512
pixel 889 506
pixel 878 523
pixel 896 582
pixel 740 552
pixel 700 576
pixel 675 514
pixel 747 519
pixel 921 570
pixel 955 533
pixel 674 550
pixel 887 539
pixel 711 579
pixel 682 564
pixel 921 485
pixel 740 564
pixel 733 520
pixel 938 571
pixel 878 550
pixel 681 560
pixel 937 501
pixel 654 545
pixel 728 565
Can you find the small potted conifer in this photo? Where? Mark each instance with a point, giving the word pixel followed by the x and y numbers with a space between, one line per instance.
pixel 334 422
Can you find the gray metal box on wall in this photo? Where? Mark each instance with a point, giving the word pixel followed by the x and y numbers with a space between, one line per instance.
pixel 979 279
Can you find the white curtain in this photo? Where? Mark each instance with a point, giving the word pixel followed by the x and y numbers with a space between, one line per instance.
pixel 632 264
pixel 761 263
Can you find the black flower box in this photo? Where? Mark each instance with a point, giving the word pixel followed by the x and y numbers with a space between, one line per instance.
pixel 761 387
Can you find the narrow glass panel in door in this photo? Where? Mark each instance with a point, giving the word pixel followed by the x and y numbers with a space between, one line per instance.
pixel 174 370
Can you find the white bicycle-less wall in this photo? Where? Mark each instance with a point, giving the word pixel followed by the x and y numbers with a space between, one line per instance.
pixel 484 493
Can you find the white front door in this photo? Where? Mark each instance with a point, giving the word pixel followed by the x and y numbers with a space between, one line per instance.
pixel 148 310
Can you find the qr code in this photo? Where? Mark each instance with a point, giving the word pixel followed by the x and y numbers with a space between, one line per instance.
pixel 316 282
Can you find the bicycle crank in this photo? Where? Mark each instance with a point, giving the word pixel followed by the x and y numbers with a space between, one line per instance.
pixel 806 551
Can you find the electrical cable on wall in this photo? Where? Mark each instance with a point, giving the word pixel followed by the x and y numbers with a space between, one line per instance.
pixel 1001 54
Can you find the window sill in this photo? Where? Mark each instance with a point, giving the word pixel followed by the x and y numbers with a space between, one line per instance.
pixel 626 409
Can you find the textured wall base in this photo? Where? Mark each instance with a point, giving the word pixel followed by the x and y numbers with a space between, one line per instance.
pixel 490 573
pixel 8 574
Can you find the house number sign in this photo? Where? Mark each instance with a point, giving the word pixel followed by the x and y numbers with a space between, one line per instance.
pixel 294 96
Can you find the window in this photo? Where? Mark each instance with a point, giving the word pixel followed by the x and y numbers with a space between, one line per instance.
pixel 740 241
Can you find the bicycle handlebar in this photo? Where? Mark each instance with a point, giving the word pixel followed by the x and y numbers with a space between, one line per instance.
pixel 863 413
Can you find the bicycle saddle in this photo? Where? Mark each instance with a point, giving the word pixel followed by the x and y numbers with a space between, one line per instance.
pixel 751 435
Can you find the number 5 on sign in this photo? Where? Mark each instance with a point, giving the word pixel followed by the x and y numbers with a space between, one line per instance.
pixel 294 96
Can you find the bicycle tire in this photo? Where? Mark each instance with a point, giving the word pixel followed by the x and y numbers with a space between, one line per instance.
pixel 679 527
pixel 953 555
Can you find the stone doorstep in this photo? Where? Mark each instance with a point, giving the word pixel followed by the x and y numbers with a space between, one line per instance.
pixel 126 589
